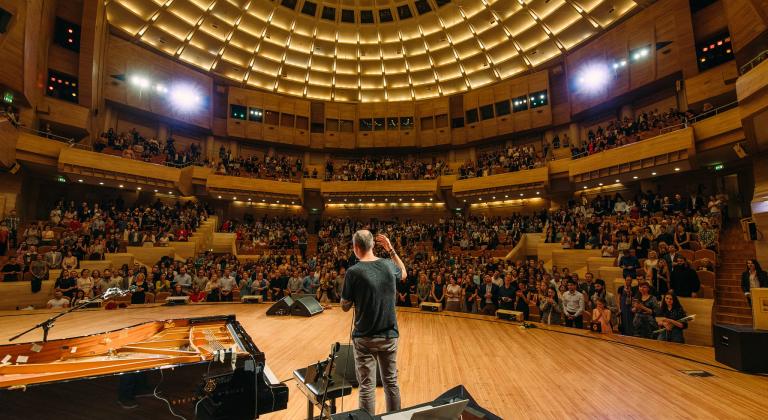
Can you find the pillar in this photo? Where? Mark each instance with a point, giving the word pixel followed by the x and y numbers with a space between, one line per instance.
pixel 473 154
pixel 209 149
pixel 574 135
pixel 760 208
pixel 627 111
pixel 162 132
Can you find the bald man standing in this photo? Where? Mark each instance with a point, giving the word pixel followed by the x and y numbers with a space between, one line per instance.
pixel 371 286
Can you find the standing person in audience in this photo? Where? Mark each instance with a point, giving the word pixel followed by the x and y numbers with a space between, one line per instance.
pixel 521 304
pixel 627 294
pixel 662 281
pixel 85 282
pixel 213 289
pixel 650 264
pixel 452 295
pixel 403 293
pixel 683 279
pixel 669 316
pixel 610 301
pixel 573 306
pixel 470 294
pixel 228 286
pixel 437 294
pixel 12 270
pixel 59 301
pixel 70 261
pixel 602 317
pixel 629 263
pixel 489 296
pixel 139 289
pixel 645 307
pixel 753 277
pixel 507 294
pixel 53 258
pixel 551 310
pixel 682 238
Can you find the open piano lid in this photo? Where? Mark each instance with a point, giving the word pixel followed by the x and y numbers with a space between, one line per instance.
pixel 211 359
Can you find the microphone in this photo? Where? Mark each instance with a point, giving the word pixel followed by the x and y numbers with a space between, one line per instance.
pixel 115 291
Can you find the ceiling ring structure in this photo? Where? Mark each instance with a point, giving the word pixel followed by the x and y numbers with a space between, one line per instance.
pixel 365 50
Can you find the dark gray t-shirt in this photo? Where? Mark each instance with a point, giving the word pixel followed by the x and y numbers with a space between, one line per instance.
pixel 371 286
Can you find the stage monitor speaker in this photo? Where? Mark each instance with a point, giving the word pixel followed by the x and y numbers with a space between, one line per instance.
pixel 741 347
pixel 281 307
pixel 5 19
pixel 306 306
pixel 344 366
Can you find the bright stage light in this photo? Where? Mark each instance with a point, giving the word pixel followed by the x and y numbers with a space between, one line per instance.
pixel 185 97
pixel 140 81
pixel 593 77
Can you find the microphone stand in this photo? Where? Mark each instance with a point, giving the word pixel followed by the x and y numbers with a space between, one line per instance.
pixel 328 377
pixel 48 323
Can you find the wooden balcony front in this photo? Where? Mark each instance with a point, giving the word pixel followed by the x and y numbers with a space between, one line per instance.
pixel 512 182
pixel 244 188
pixel 664 149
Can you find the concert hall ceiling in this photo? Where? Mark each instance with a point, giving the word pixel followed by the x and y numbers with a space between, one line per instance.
pixel 365 50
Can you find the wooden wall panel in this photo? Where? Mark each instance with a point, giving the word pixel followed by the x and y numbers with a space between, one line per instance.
pixel 711 83
pixel 747 19
pixel 127 59
pixel 709 21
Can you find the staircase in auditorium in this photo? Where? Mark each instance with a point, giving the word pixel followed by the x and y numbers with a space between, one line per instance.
pixel 730 305
pixel 312 240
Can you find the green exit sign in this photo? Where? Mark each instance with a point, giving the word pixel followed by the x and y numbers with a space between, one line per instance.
pixel 8 97
pixel 719 167
pixel 61 179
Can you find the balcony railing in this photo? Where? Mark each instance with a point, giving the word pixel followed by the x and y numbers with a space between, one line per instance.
pixel 713 112
pixel 753 63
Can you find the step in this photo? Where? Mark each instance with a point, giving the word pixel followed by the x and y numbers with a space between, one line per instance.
pixel 735 302
pixel 729 295
pixel 733 319
pixel 733 310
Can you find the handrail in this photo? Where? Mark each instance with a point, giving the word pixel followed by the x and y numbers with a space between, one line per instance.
pixel 712 112
pixel 668 129
pixel 48 135
pixel 753 62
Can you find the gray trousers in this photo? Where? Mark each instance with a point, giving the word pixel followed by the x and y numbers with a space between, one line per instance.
pixel 368 352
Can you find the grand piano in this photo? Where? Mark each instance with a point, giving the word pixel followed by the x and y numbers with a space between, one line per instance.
pixel 204 368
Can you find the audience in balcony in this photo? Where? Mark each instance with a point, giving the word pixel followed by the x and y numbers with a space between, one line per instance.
pixel 510 159
pixel 626 131
pixel 132 145
pixel 383 169
pixel 280 168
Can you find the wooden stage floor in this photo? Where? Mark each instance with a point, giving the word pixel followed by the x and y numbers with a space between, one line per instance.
pixel 514 372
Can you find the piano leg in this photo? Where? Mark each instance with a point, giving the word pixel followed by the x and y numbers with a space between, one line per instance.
pixel 310 410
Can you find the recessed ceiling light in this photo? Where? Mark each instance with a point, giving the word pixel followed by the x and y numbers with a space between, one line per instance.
pixel 79 180
pixel 600 184
pixel 156 191
pixel 293 202
pixel 386 199
pixel 585 187
pixel 330 199
pixel 494 197
pixel 234 198
pixel 170 192
pixel 345 200
pixel 138 188
pixel 249 199
pixel 677 169
pixel 413 199
pixel 464 201
pixel 653 173
pixel 359 199
pixel 373 199
pixel 278 201
pixel 506 196
pixel 263 200
pixel 101 183
pixel 400 199
pixel 634 177
pixel 430 199
pixel 618 181
pixel 122 186
pixel 537 193
pixel 521 194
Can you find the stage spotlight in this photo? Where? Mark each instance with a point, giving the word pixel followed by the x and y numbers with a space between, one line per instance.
pixel 161 88
pixel 140 81
pixel 185 97
pixel 593 77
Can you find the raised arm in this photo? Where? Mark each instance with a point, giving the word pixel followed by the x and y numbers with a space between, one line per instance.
pixel 387 245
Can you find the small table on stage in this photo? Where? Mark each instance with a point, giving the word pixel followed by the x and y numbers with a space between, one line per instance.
pixel 314 390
